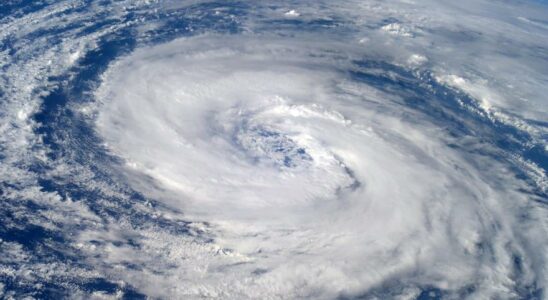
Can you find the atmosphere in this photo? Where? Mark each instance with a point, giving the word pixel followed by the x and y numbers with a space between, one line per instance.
pixel 274 150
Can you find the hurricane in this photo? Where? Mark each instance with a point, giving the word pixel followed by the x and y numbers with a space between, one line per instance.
pixel 273 149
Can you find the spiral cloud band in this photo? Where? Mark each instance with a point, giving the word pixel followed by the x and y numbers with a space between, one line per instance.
pixel 294 150
pixel 286 154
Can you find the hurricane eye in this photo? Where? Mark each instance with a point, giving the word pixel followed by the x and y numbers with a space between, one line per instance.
pixel 273 148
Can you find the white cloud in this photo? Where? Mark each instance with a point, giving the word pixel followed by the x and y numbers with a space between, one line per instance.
pixel 292 13
pixel 206 118
pixel 298 180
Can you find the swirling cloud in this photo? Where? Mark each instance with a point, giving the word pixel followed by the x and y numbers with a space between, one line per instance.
pixel 298 149
pixel 315 182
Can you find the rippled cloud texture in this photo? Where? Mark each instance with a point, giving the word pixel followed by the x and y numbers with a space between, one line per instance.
pixel 297 149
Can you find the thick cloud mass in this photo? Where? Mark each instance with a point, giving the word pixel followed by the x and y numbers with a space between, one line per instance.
pixel 294 150
pixel 314 180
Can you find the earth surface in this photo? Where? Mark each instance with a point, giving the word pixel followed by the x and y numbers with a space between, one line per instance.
pixel 273 149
